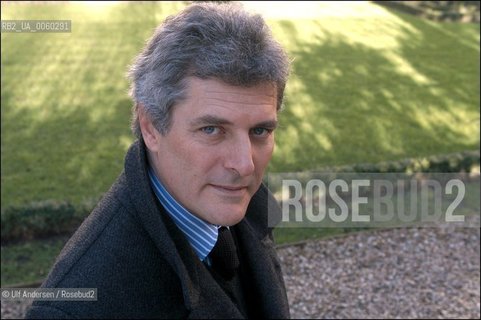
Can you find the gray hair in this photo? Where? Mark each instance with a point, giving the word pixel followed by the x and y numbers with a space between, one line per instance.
pixel 205 40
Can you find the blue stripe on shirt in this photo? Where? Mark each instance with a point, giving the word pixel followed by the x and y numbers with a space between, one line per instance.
pixel 201 235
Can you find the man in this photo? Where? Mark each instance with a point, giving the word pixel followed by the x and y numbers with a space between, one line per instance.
pixel 183 231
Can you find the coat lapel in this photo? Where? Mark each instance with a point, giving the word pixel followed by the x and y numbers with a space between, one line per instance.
pixel 261 265
pixel 211 300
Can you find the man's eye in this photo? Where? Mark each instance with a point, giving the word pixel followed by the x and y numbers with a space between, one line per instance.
pixel 261 132
pixel 210 130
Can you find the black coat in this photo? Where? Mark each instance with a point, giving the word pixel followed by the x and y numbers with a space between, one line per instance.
pixel 143 266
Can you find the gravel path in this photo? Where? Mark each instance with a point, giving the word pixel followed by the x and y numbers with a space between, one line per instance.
pixel 398 273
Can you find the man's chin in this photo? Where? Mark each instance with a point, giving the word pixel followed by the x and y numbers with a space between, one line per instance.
pixel 228 215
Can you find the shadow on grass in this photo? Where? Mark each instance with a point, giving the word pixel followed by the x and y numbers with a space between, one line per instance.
pixel 68 154
pixel 362 106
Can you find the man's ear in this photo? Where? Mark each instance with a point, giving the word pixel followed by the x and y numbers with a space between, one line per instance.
pixel 149 132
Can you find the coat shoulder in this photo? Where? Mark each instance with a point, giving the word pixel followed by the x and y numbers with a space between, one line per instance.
pixel 114 254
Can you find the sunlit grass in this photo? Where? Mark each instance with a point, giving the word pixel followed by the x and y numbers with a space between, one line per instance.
pixel 65 108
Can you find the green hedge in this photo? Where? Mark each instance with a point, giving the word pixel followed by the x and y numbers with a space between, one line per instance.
pixel 42 219
pixel 51 217
pixel 464 161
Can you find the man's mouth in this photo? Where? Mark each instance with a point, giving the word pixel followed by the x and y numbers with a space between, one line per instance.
pixel 231 190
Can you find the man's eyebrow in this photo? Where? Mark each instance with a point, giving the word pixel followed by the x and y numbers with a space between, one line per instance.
pixel 270 124
pixel 209 120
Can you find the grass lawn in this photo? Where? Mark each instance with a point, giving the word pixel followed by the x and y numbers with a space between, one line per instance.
pixel 30 261
pixel 368 84
pixel 65 108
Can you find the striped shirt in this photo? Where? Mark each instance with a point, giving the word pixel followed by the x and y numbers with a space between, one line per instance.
pixel 201 235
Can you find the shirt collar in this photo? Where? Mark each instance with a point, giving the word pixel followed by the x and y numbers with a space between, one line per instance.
pixel 201 235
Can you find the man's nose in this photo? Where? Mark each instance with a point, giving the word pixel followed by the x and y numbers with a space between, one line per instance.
pixel 240 157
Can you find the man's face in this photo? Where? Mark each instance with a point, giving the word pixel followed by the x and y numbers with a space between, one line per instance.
pixel 220 141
